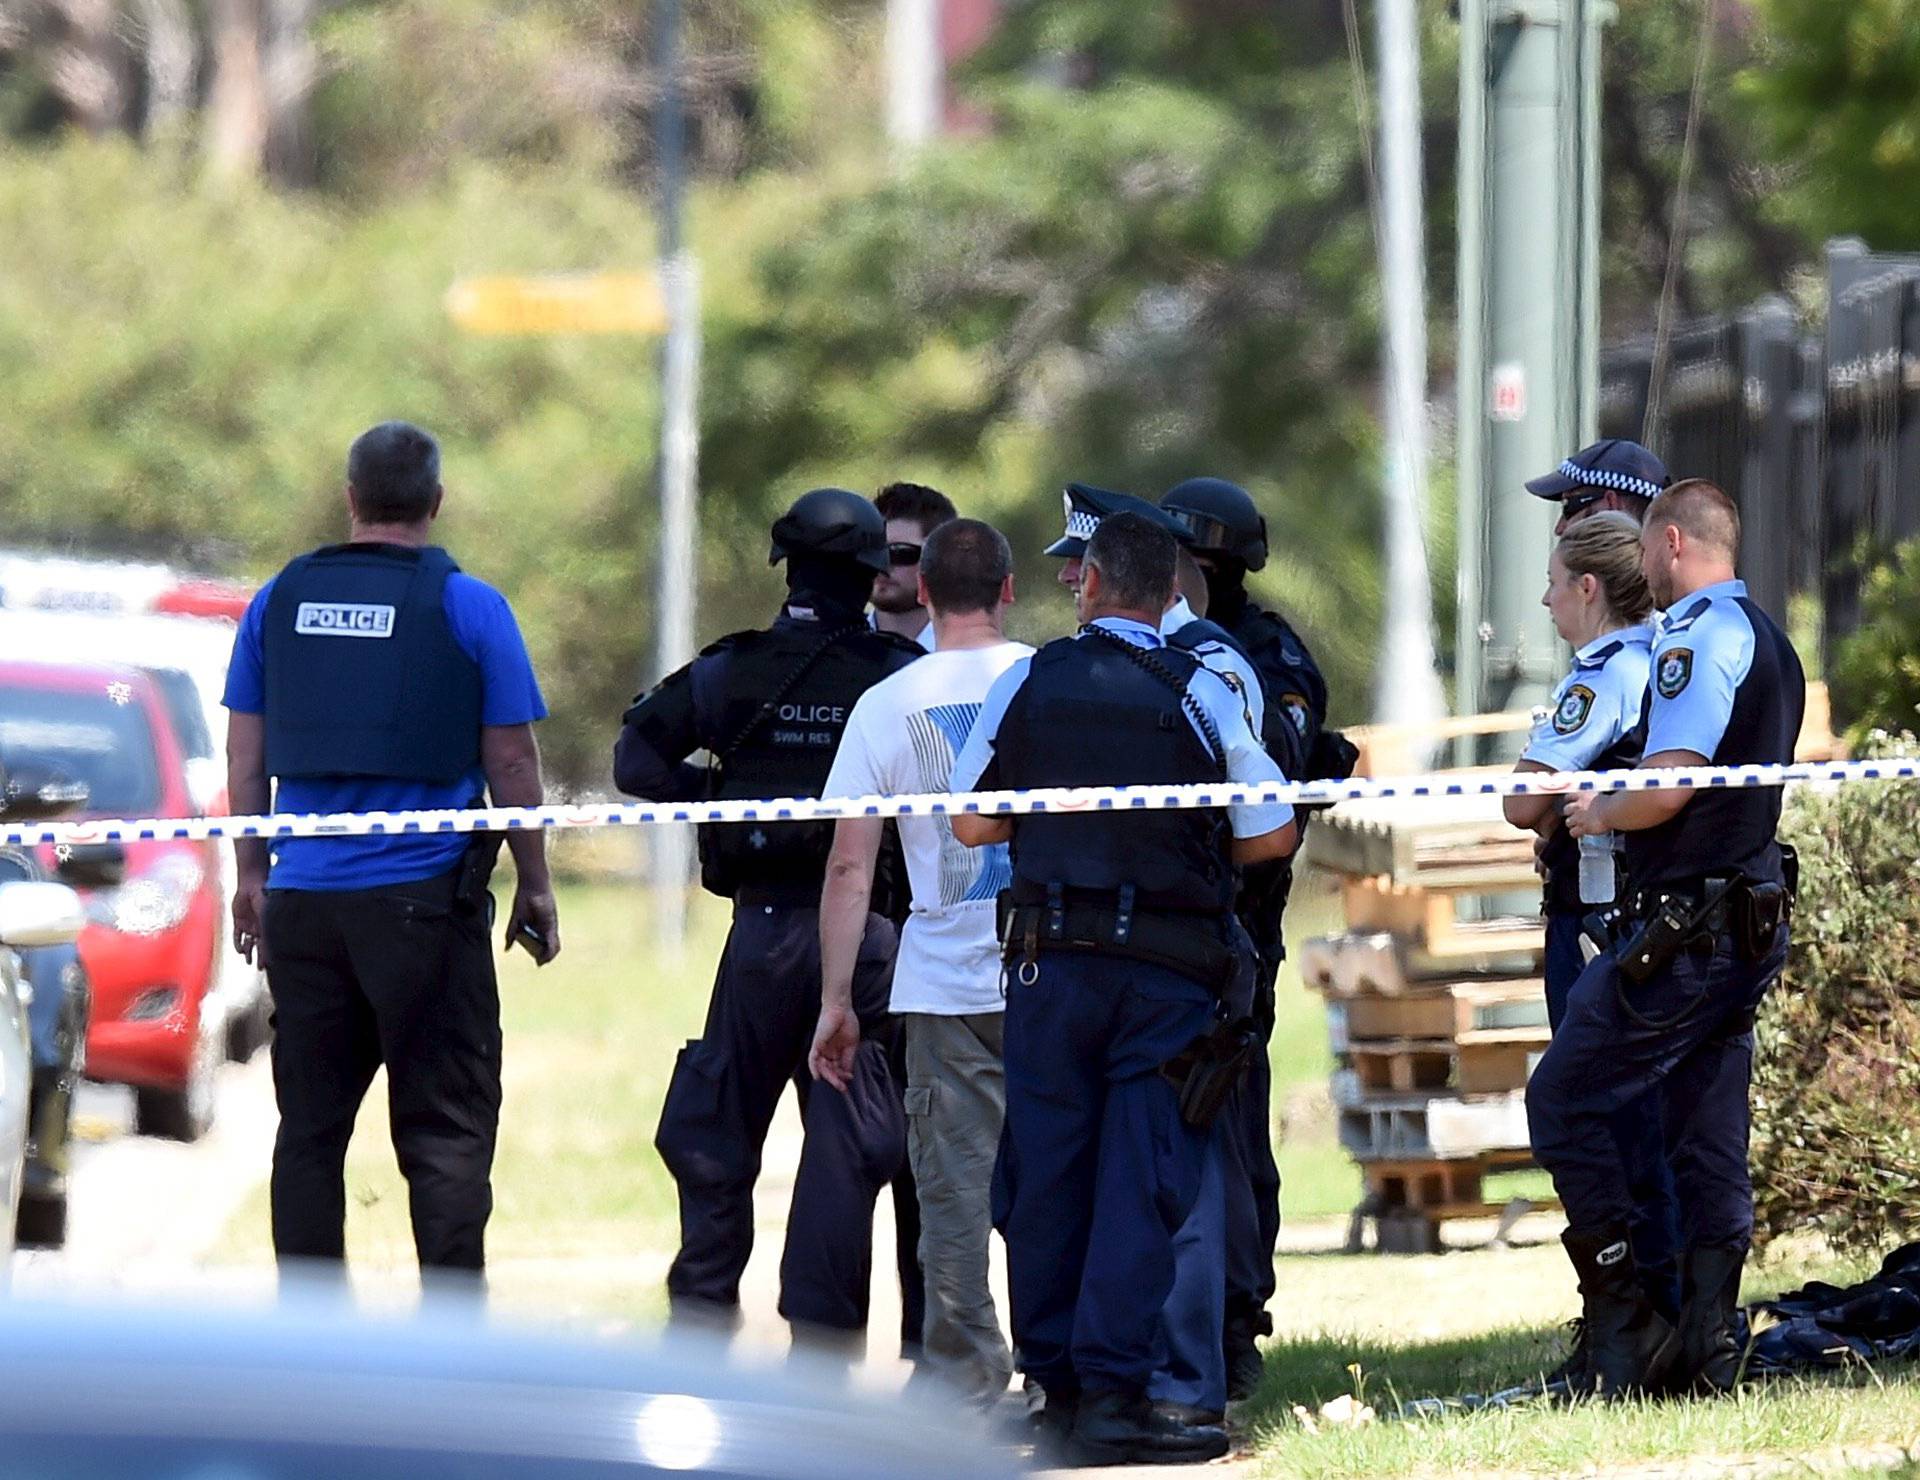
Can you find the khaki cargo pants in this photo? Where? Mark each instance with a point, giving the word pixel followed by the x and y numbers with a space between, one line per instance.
pixel 956 1101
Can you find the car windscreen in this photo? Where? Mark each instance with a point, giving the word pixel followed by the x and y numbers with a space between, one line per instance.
pixel 99 737
pixel 182 701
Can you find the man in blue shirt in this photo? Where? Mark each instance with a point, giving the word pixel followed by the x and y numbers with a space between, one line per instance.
pixel 376 676
pixel 1671 1006
pixel 1119 943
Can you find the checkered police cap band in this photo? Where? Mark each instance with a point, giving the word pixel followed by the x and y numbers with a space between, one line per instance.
pixel 1601 478
pixel 1080 523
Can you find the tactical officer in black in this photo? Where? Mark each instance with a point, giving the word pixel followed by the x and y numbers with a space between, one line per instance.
pixel 770 707
pixel 1229 539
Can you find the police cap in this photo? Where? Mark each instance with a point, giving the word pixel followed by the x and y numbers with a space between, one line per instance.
pixel 1615 465
pixel 832 521
pixel 1086 506
pixel 1219 519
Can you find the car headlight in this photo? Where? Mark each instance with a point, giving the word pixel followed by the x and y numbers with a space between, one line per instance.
pixel 153 902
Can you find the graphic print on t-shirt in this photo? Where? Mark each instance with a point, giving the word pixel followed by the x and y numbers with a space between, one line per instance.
pixel 966 874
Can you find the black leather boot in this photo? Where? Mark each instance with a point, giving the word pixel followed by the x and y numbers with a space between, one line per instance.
pixel 1245 1367
pixel 1630 1347
pixel 1711 1353
pixel 1119 1428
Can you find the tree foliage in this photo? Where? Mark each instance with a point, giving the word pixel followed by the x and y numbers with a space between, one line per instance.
pixel 1156 260
pixel 1834 89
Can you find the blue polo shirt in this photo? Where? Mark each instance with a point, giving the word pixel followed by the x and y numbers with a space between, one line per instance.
pixel 484 627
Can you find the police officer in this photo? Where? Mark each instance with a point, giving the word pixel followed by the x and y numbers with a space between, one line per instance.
pixel 1183 625
pixel 377 676
pixel 1117 938
pixel 1613 474
pixel 1191 1380
pixel 1601 606
pixel 770 707
pixel 1229 539
pixel 1672 1003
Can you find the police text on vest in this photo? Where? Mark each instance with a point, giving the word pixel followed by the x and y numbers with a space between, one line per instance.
pixel 343 619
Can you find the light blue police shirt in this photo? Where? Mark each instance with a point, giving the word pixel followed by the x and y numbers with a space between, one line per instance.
pixel 1234 670
pixel 1247 761
pixel 1702 656
pixel 1601 698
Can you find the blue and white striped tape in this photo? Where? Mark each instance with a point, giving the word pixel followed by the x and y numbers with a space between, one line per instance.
pixel 1059 799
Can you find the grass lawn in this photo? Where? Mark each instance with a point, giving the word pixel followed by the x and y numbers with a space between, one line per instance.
pixel 584 1225
pixel 1317 1178
pixel 584 1215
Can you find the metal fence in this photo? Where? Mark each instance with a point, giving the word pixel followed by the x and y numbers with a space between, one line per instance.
pixel 1816 435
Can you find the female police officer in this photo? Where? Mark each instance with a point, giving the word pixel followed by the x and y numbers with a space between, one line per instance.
pixel 1602 606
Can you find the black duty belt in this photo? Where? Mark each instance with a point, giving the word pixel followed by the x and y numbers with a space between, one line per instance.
pixel 1193 945
pixel 1645 902
pixel 777 896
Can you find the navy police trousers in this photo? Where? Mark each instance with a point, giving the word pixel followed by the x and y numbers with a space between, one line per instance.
pixel 1639 1132
pixel 1098 1170
pixel 725 1088
pixel 1688 1033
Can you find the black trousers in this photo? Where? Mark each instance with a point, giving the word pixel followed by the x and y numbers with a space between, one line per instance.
pixel 725 1088
pixel 1252 1181
pixel 399 976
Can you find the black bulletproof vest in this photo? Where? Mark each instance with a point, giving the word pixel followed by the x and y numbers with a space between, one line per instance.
pixel 1725 830
pixel 1561 855
pixel 1089 715
pixel 786 753
pixel 1294 690
pixel 363 675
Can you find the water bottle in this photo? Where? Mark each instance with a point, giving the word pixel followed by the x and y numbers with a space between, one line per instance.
pixel 1597 884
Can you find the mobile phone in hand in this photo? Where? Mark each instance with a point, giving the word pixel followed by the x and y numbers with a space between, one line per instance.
pixel 533 940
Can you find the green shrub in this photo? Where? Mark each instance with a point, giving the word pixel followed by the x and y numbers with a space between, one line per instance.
pixel 1876 679
pixel 1837 1071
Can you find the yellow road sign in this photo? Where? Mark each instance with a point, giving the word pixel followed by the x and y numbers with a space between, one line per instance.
pixel 560 303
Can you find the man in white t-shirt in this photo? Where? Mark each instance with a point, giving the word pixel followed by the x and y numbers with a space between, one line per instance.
pixel 902 737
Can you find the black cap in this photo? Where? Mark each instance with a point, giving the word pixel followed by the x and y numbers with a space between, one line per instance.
pixel 1219 518
pixel 1086 506
pixel 832 521
pixel 1615 465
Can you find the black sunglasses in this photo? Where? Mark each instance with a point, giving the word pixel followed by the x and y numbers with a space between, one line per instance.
pixel 903 554
pixel 1578 503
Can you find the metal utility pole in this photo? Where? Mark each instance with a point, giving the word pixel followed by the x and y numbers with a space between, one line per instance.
pixel 679 454
pixel 1529 314
pixel 1406 683
pixel 916 73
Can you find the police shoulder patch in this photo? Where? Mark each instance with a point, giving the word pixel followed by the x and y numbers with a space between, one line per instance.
pixel 1574 707
pixel 1297 712
pixel 1673 671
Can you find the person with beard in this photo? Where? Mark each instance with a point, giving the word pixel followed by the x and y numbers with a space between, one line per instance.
pixel 912 511
pixel 1228 539
pixel 770 707
pixel 1669 1008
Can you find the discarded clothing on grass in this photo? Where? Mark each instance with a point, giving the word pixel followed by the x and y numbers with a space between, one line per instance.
pixel 1824 1326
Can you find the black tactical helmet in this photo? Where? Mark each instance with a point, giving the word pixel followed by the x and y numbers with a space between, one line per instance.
pixel 1222 518
pixel 831 521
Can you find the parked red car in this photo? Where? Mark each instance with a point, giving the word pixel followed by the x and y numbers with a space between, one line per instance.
pixel 154 910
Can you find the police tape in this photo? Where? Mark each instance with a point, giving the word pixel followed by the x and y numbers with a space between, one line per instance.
pixel 1432 785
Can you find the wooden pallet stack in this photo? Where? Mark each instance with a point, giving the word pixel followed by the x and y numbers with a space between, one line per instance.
pixel 1435 1007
